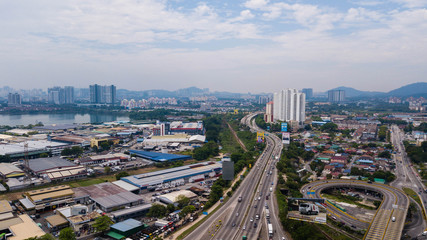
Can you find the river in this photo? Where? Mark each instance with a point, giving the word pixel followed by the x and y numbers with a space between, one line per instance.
pixel 58 118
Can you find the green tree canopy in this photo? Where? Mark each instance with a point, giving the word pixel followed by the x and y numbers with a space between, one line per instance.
pixel 157 210
pixel 67 234
pixel 122 174
pixel 102 223
pixel 182 201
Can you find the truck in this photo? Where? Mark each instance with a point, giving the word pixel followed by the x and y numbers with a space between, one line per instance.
pixel 270 230
pixel 308 209
pixel 267 213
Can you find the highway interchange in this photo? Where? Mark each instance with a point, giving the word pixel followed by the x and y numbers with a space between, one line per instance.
pixel 395 204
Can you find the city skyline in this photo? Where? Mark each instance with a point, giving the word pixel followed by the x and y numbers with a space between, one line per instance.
pixel 245 46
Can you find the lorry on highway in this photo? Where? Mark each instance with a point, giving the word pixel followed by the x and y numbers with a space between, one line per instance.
pixel 308 209
pixel 270 230
pixel 267 213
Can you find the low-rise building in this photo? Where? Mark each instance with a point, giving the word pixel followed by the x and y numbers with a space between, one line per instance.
pixel 50 198
pixel 56 222
pixel 107 196
pixel 8 170
pixel 56 169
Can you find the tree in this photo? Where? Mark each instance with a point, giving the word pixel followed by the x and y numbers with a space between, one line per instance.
pixel 385 154
pixel 44 155
pixel 182 201
pixel 121 174
pixel 67 234
pixel 47 236
pixel 157 210
pixel 107 169
pixel 170 207
pixel 102 223
pixel 329 127
pixel 105 146
pixel 328 176
pixel 187 210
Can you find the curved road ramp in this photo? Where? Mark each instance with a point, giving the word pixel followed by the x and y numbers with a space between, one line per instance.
pixel 389 219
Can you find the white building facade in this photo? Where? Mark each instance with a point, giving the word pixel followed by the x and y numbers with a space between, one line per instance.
pixel 289 105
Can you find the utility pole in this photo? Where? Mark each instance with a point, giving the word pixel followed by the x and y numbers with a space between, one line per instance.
pixel 27 164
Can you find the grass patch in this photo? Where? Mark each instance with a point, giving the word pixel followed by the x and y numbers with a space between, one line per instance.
pixel 413 195
pixel 334 234
pixel 346 199
pixel 196 225
pixel 86 182
pixel 228 142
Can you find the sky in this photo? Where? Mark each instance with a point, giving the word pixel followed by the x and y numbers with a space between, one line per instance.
pixel 239 46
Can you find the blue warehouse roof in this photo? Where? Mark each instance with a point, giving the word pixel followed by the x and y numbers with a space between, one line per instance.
pixel 126 225
pixel 159 157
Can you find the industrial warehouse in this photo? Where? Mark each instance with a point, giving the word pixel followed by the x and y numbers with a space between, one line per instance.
pixel 175 176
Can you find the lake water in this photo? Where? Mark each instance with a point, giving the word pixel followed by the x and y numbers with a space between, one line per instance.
pixel 60 118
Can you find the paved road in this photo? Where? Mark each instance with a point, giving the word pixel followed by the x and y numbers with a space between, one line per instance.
pixel 406 177
pixel 228 221
pixel 395 204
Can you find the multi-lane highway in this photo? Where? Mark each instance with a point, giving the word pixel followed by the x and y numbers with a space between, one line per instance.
pixel 237 219
pixel 390 217
pixel 406 177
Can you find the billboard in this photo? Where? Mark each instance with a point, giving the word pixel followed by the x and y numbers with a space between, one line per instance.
pixel 236 111
pixel 286 138
pixel 260 137
pixel 307 210
pixel 284 127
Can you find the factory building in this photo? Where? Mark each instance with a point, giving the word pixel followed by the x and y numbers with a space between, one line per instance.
pixel 175 176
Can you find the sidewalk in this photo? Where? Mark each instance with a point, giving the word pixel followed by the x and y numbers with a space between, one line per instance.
pixel 217 204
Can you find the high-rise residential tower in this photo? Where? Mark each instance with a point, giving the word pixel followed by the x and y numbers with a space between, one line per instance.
pixel 58 95
pixel 102 94
pixel 289 105
pixel 14 99
pixel 308 93
pixel 336 96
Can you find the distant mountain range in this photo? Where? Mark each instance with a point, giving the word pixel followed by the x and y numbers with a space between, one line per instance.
pixel 414 89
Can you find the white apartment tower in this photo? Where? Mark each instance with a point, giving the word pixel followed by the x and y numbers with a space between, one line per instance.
pixel 289 105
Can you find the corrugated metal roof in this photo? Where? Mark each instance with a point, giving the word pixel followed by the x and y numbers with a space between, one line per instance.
pixel 159 157
pixel 42 164
pixel 155 178
pixel 127 225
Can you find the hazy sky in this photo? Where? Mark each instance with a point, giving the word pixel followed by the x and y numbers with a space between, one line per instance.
pixel 239 46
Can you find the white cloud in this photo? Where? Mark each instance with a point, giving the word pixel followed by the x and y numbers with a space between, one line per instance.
pixel 412 3
pixel 151 40
pixel 256 4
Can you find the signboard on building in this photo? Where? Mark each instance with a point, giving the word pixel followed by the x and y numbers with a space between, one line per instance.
pixel 284 127
pixel 260 137
pixel 286 138
pixel 236 111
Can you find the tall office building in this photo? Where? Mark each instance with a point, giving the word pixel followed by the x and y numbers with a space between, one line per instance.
pixel 336 96
pixel 58 95
pixel 14 99
pixel 102 94
pixel 289 105
pixel 308 93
